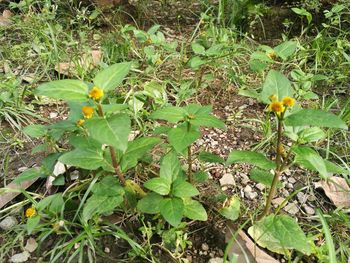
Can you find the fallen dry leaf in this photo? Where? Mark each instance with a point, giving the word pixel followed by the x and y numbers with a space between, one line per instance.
pixel 6 197
pixel 88 61
pixel 245 250
pixel 337 190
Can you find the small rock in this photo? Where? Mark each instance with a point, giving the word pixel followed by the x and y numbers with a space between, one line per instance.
pixel 53 115
pixel 277 201
pixel 8 223
pixel 291 208
pixel 22 169
pixel 227 179
pixel 301 197
pixel 292 180
pixel 31 245
pixel 251 195
pixel 224 188
pixel 216 260
pixel 247 189
pixel 309 210
pixel 311 198
pixel 290 186
pixel 20 257
pixel 260 186
pixel 245 179
pixel 107 250
pixel 205 247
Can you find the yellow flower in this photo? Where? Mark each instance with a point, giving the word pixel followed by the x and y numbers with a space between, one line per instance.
pixel 80 122
pixel 159 61
pixel 96 93
pixel 271 54
pixel 30 212
pixel 88 111
pixel 288 101
pixel 276 107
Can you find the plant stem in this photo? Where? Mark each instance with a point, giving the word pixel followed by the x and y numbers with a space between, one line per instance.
pixel 189 157
pixel 278 171
pixel 112 152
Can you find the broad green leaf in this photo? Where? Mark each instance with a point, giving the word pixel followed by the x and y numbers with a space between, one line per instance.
pixel 254 158
pixel 303 12
pixel 45 202
pixel 159 185
pixel 99 204
pixel 263 177
pixel 57 203
pixel 279 233
pixel 215 50
pixel 35 130
pixel 172 209
pixel 333 168
pixel 210 157
pixel 318 118
pixel 136 150
pixel 276 84
pixel 59 180
pixel 27 175
pixel 83 142
pixel 196 62
pixel 231 208
pixel 150 203
pixel 205 120
pixel 108 186
pixel 170 167
pixel 312 134
pixel 286 49
pixel 198 49
pixel 197 109
pixel 180 137
pixel 310 159
pixel 171 114
pixel 200 177
pixel 257 65
pixel 112 76
pixel 66 89
pixel 194 210
pixel 113 108
pixel 183 189
pixel 113 130
pixel 32 223
pixel 156 91
pixel 89 159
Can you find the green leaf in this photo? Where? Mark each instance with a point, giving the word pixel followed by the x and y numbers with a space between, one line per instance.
pixel 136 150
pixel 263 177
pixel 170 167
pixel 286 49
pixel 108 186
pixel 279 233
pixel 59 180
pixel 156 91
pixel 231 208
pixel 57 203
pixel 89 159
pixel 205 120
pixel 276 84
pixel 312 134
pixel 113 108
pixel 66 89
pixel 196 62
pixel 150 203
pixel 112 76
pixel 329 239
pixel 254 158
pixel 32 223
pixel 113 130
pixel 35 130
pixel 210 157
pixel 47 201
pixel 310 159
pixel 197 109
pixel 171 114
pixel 303 12
pixel 172 210
pixel 200 177
pixel 333 168
pixel 194 210
pixel 180 137
pixel 198 49
pixel 27 175
pixel 318 118
pixel 181 188
pixel 159 185
pixel 100 204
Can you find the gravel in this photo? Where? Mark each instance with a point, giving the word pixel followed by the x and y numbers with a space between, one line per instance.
pixel 8 223
pixel 20 257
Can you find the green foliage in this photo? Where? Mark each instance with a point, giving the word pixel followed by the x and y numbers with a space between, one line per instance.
pixel 253 158
pixel 278 233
